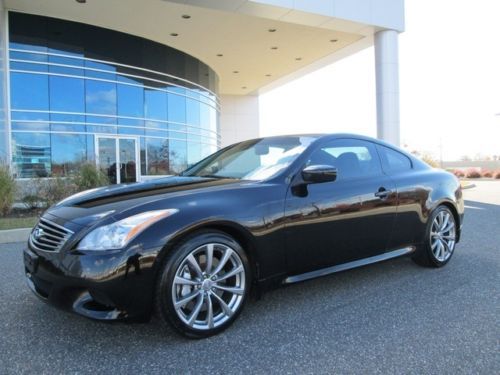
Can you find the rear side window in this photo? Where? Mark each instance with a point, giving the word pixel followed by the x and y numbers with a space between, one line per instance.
pixel 352 157
pixel 393 161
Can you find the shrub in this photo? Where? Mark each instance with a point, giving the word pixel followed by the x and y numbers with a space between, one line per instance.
pixel 487 174
pixel 459 173
pixel 55 189
pixel 90 177
pixel 496 175
pixel 472 173
pixel 31 201
pixel 7 190
pixel 430 160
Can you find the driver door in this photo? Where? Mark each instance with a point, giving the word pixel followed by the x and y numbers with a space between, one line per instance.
pixel 345 220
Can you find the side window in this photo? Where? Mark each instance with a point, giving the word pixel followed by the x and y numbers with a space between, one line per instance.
pixel 353 158
pixel 393 161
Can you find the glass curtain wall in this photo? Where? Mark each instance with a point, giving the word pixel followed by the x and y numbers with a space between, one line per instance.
pixel 71 83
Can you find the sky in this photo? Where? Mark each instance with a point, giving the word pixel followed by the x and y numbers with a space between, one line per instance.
pixel 449 77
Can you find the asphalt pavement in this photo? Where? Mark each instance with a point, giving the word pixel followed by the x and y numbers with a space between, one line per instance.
pixel 393 317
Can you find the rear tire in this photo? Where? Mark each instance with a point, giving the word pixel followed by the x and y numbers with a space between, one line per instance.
pixel 203 284
pixel 440 239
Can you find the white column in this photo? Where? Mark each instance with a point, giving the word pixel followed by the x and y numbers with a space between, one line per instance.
pixel 239 118
pixel 387 83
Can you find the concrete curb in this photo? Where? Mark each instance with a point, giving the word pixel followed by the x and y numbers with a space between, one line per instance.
pixel 469 186
pixel 14 235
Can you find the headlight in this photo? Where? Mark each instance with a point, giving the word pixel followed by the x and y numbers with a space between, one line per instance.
pixel 118 234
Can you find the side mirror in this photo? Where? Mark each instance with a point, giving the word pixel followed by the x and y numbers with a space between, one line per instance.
pixel 314 174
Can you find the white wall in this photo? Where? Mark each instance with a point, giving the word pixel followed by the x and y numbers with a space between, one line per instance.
pixel 239 118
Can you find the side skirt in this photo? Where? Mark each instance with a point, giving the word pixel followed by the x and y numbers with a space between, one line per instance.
pixel 349 265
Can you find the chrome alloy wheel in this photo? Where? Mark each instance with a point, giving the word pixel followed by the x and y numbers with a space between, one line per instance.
pixel 443 236
pixel 209 286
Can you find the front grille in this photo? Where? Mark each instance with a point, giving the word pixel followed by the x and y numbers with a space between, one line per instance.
pixel 48 236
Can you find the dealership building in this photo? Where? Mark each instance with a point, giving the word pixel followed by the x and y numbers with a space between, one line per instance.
pixel 145 88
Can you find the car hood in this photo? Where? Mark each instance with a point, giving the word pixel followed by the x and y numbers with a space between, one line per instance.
pixel 86 207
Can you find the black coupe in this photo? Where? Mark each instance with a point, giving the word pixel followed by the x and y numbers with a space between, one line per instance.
pixel 258 213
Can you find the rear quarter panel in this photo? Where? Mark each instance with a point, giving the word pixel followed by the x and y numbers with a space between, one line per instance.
pixel 419 193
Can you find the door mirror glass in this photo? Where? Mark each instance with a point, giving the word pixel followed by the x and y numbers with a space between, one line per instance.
pixel 319 173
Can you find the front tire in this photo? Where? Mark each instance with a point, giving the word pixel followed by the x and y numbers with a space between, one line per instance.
pixel 203 284
pixel 440 239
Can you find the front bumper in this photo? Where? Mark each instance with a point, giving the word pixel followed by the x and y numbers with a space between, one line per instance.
pixel 105 285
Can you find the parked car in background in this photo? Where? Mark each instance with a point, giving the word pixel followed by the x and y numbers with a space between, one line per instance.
pixel 262 212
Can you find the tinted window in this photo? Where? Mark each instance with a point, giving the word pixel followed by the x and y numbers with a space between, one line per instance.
pixel 353 158
pixel 393 161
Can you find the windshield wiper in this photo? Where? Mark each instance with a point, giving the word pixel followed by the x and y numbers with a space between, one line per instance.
pixel 214 176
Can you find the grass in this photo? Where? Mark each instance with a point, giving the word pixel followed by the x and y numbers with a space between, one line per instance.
pixel 18 222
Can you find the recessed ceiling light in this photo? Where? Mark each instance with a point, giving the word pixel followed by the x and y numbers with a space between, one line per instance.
pixel 275 48
pixel 220 55
pixel 334 40
pixel 174 34
pixel 235 71
pixel 81 1
pixel 298 58
pixel 186 16
pixel 272 30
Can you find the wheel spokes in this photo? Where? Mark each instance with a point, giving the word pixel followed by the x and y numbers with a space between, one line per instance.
pixel 210 258
pixel 193 263
pixel 201 298
pixel 210 311
pixel 225 308
pixel 444 223
pixel 196 310
pixel 182 281
pixel 225 257
pixel 231 273
pixel 229 289
pixel 186 299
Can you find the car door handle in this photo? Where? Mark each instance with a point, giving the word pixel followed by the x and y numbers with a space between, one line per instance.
pixel 383 193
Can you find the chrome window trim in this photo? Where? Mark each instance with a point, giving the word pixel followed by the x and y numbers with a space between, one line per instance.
pixel 107 116
pixel 109 81
pixel 102 115
pixel 109 125
pixel 110 72
pixel 116 135
pixel 114 64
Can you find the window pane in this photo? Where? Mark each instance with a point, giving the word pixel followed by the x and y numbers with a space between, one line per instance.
pixel 31 154
pixel 192 112
pixel 69 152
pixel 29 91
pixel 107 158
pixel 130 99
pixel 393 161
pixel 155 103
pixel 100 97
pixel 67 94
pixel 177 156
pixel 176 105
pixel 128 162
pixel 157 156
pixel 352 158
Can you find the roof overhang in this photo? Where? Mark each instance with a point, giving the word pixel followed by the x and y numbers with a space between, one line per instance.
pixel 307 34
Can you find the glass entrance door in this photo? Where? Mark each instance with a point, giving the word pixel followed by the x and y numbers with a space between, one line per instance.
pixel 117 158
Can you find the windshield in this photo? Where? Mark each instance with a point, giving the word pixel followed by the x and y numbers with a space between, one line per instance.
pixel 252 160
